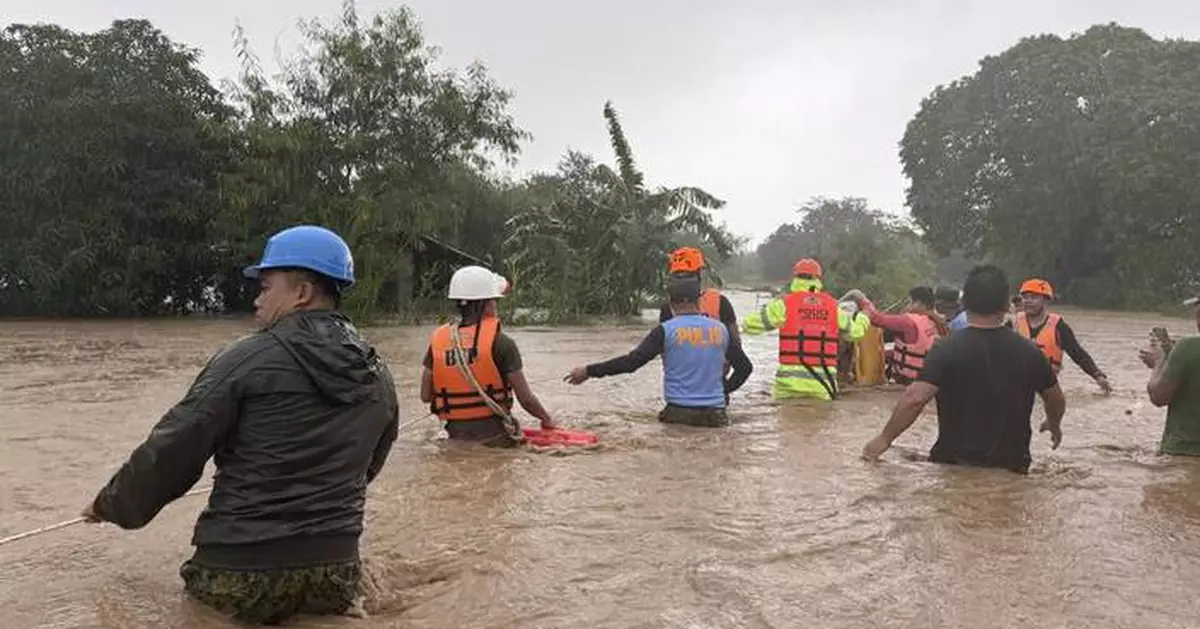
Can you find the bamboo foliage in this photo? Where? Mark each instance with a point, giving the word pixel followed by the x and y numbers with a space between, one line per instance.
pixel 595 240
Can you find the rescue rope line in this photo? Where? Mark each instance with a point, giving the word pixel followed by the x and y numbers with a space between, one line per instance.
pixel 200 490
pixel 64 524
pixel 460 359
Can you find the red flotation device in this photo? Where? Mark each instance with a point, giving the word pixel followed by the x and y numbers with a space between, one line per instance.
pixel 559 437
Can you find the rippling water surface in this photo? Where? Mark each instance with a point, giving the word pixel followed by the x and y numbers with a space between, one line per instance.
pixel 772 522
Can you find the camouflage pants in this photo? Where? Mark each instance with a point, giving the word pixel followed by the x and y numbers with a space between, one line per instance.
pixel 270 597
pixel 703 417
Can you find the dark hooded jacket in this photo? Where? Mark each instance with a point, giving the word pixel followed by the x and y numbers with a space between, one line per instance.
pixel 298 419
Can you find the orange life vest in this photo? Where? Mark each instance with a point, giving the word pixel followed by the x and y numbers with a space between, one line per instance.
pixel 454 398
pixel 710 303
pixel 907 359
pixel 1047 338
pixel 809 335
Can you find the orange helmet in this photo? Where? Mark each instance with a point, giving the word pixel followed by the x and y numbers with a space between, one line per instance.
pixel 807 266
pixel 1038 287
pixel 686 260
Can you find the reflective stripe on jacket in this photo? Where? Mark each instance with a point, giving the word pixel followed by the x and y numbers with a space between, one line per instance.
pixel 773 314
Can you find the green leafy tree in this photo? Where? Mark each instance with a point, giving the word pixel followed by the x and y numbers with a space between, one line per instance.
pixel 594 239
pixel 1070 159
pixel 858 247
pixel 364 134
pixel 111 148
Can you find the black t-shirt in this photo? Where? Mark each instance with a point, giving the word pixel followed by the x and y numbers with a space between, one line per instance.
pixel 986 379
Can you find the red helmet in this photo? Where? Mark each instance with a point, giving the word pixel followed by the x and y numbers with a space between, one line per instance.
pixel 808 267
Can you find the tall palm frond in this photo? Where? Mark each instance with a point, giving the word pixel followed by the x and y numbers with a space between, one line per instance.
pixel 630 175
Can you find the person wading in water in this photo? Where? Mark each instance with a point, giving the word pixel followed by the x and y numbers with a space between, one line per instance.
pixel 298 418
pixel 811 327
pixel 694 349
pixel 1051 333
pixel 492 364
pixel 688 262
pixel 916 329
pixel 984 377
pixel 1175 383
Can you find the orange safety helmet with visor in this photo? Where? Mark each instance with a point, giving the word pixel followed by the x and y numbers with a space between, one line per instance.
pixel 1037 286
pixel 807 266
pixel 686 260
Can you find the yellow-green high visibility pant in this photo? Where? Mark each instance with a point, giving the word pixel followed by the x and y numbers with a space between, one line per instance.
pixel 794 381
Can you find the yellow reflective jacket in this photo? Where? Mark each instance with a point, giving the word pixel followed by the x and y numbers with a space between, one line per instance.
pixel 773 314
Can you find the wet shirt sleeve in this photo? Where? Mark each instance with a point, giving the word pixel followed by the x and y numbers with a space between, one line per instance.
pixel 899 324
pixel 647 350
pixel 938 363
pixel 1070 345
pixel 742 367
pixel 173 456
pixel 1183 363
pixel 427 362
pixel 727 315
pixel 506 355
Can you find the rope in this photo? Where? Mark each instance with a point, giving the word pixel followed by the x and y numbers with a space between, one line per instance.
pixel 460 360
pixel 411 422
pixel 74 521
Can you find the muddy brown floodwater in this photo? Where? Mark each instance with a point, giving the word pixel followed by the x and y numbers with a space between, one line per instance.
pixel 772 522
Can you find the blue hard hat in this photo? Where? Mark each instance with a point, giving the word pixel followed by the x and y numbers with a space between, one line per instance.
pixel 307 247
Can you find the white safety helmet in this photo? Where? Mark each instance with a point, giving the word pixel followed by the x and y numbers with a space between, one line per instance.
pixel 475 283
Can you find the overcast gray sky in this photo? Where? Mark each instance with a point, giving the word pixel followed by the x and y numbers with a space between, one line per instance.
pixel 763 103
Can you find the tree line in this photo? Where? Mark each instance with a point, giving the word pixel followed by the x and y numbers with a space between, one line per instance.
pixel 858 247
pixel 1072 159
pixel 132 185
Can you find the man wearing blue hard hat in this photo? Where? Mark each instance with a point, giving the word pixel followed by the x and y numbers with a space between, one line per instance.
pixel 298 418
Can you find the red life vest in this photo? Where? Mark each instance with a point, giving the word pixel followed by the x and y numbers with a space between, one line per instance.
pixel 809 335
pixel 907 359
